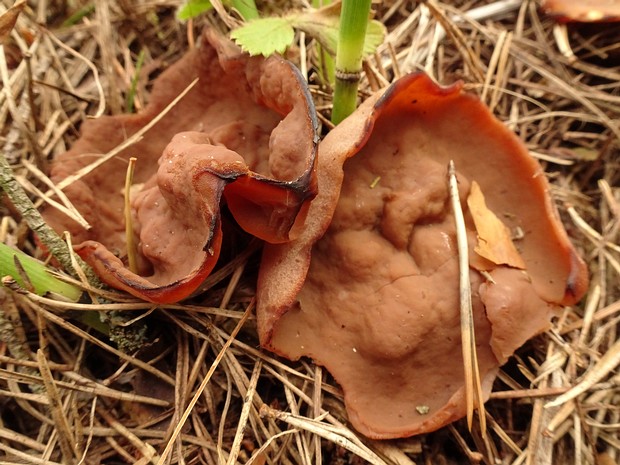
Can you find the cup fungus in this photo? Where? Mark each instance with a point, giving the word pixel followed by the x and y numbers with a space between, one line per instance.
pixel 379 307
pixel 246 132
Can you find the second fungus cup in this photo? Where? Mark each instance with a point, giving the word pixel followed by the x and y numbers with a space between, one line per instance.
pixel 379 307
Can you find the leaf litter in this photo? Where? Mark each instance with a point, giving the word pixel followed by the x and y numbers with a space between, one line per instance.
pixel 494 238
pixel 564 105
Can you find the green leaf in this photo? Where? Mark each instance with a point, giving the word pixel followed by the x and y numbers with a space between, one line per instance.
pixel 265 36
pixel 323 25
pixel 193 8
pixel 246 8
pixel 375 35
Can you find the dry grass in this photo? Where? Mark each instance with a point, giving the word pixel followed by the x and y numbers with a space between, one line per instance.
pixel 186 383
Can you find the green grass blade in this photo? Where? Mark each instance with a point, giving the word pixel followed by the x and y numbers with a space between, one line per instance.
pixel 38 275
pixel 131 95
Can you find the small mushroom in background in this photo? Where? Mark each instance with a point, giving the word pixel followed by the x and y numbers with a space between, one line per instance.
pixel 246 133
pixel 583 10
pixel 379 307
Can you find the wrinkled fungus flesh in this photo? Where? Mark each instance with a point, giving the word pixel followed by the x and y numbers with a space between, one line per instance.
pixel 380 304
pixel 245 134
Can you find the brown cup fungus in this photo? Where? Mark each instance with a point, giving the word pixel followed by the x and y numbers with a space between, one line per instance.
pixel 246 132
pixel 363 278
pixel 379 307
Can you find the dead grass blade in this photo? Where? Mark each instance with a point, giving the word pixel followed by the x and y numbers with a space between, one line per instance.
pixel 203 385
pixel 68 443
pixel 259 454
pixel 66 206
pixel 91 66
pixel 148 452
pixel 245 413
pixel 607 363
pixel 342 437
pixel 93 340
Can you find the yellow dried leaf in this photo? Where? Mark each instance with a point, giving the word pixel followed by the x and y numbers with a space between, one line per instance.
pixel 494 242
pixel 8 20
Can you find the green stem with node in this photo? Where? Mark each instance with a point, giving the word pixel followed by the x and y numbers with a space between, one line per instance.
pixel 351 36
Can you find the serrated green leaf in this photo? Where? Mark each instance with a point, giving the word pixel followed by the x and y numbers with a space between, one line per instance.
pixel 265 36
pixel 323 26
pixel 193 8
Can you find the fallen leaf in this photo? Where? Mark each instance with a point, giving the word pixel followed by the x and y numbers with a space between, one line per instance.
pixel 494 242
pixel 322 24
pixel 8 20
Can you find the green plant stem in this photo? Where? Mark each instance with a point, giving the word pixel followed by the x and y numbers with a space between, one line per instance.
pixel 246 8
pixel 56 246
pixel 351 35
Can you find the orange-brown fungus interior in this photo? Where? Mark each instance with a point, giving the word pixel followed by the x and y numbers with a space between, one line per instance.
pixel 247 120
pixel 380 305
pixel 583 10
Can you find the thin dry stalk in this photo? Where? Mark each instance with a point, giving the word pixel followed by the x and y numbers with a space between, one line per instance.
pixel 473 387
pixel 129 235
